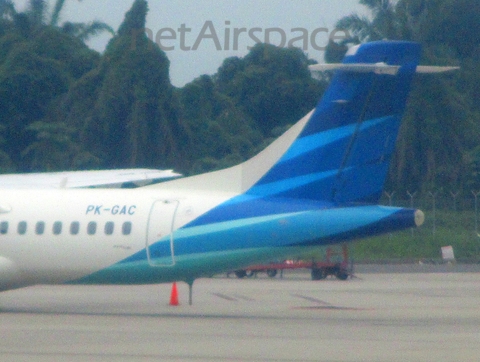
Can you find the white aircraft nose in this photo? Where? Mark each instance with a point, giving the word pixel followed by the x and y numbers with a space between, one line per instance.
pixel 419 217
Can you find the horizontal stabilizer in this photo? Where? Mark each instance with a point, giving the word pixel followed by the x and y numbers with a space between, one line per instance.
pixel 429 69
pixel 377 68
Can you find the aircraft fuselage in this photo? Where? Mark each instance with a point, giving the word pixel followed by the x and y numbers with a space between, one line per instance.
pixel 151 236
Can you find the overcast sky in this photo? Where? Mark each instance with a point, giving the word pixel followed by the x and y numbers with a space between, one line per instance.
pixel 216 29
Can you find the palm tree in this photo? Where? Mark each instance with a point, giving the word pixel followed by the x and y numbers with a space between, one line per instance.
pixel 383 25
pixel 37 13
pixel 80 30
pixel 413 20
pixel 84 31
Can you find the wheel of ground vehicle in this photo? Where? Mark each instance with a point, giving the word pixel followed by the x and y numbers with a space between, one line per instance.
pixel 249 273
pixel 341 274
pixel 319 273
pixel 272 273
pixel 240 273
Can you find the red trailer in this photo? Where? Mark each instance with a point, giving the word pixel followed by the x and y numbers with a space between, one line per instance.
pixel 336 262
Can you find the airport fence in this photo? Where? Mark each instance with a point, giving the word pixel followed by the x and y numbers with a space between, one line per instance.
pixel 452 218
pixel 464 207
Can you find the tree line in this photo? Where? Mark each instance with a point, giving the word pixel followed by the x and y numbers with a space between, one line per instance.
pixel 64 106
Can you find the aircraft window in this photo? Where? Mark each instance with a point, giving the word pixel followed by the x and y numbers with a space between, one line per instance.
pixel 57 227
pixel 22 227
pixel 74 227
pixel 4 227
pixel 92 228
pixel 40 228
pixel 109 228
pixel 127 228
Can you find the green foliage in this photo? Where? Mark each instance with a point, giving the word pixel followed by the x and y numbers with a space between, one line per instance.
pixel 85 32
pixel 29 84
pixel 221 134
pixel 135 19
pixel 37 15
pixel 335 52
pixel 38 65
pixel 6 164
pixel 272 86
pixel 37 11
pixel 76 58
pixel 55 149
pixel 454 23
pixel 472 159
pixel 126 109
pixel 440 125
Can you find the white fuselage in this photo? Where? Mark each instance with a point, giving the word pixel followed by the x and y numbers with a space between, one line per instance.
pixel 39 241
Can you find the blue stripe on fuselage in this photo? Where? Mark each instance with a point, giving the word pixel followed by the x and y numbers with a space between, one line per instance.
pixel 272 231
pixel 316 227
pixel 224 249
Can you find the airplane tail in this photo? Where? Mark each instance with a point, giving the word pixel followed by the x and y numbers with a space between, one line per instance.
pixel 340 152
pixel 287 195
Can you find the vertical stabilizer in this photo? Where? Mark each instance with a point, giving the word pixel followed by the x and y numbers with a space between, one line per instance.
pixel 343 152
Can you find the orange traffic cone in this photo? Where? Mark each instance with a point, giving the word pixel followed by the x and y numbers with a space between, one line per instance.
pixel 174 295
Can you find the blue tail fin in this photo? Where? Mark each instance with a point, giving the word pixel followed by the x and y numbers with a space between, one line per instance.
pixel 342 154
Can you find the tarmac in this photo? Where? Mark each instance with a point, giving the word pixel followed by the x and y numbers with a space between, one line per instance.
pixel 375 316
